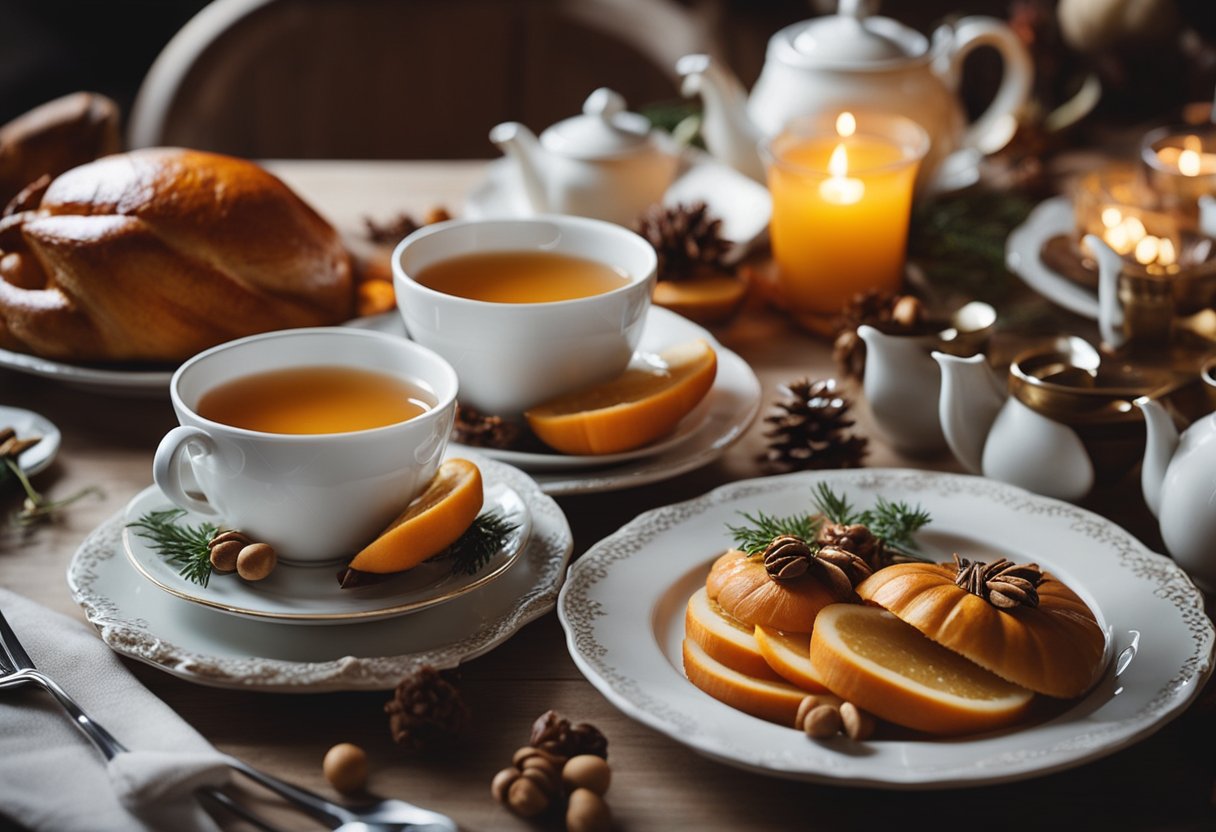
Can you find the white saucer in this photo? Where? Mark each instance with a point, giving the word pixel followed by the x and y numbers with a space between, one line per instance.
pixel 623 612
pixel 138 620
pixel 28 423
pixel 743 205
pixel 311 595
pixel 1024 257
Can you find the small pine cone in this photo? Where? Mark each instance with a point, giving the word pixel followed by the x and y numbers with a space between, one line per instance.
pixel 390 232
pixel 685 238
pixel 472 427
pixel 889 312
pixel 807 430
pixel 426 708
pixel 855 539
pixel 553 733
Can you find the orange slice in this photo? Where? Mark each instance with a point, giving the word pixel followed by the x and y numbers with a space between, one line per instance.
pixel 706 299
pixel 432 522
pixel 632 410
pixel 869 657
pixel 774 701
pixel 723 638
pixel 789 655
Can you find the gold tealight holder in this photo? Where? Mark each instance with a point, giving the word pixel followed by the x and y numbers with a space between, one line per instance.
pixel 1180 163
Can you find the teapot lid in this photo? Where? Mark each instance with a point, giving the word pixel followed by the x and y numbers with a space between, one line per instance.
pixel 604 129
pixel 849 37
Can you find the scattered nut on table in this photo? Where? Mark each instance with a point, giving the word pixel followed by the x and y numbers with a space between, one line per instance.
pixel 587 771
pixel 345 767
pixel 587 812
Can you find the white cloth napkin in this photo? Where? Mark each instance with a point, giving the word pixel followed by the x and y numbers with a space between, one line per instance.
pixel 52 778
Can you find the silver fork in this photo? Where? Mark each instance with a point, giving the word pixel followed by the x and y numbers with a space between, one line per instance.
pixel 17 668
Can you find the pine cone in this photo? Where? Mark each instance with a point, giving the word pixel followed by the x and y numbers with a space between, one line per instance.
pixel 890 312
pixel 685 238
pixel 808 429
pixel 426 708
pixel 553 733
pixel 472 427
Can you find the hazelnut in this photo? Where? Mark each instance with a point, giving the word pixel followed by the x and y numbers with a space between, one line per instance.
pixel 224 554
pixel 529 752
pixel 587 812
pixel 526 799
pixel 809 703
pixel 230 534
pixel 502 781
pixel 858 725
pixel 256 561
pixel 587 771
pixel 436 214
pixel 345 767
pixel 822 721
pixel 908 311
pixel 541 767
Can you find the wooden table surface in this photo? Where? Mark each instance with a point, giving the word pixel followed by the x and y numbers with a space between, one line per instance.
pixel 1164 782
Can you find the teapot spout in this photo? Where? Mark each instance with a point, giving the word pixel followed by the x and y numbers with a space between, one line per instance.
pixel 1158 452
pixel 1110 308
pixel 520 144
pixel 970 399
pixel 727 128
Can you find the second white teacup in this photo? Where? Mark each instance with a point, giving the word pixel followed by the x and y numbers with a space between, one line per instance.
pixel 511 356
pixel 315 497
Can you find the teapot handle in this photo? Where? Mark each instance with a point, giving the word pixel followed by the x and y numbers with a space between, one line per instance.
pixel 994 128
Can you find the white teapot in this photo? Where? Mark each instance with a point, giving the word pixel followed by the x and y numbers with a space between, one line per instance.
pixel 1178 479
pixel 849 61
pixel 606 163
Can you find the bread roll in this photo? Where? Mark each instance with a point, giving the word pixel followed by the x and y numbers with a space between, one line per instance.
pixel 156 254
pixel 1056 647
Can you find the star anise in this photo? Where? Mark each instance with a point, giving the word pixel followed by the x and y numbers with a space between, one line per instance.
pixel 426 708
pixel 1002 583
pixel 553 733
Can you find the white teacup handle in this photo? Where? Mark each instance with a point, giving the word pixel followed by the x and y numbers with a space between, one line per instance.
pixel 167 469
pixel 994 128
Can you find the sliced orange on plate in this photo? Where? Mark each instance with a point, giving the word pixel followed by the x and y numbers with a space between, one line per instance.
pixel 723 638
pixel 775 701
pixel 430 523
pixel 869 657
pixel 632 410
pixel 789 655
pixel 706 298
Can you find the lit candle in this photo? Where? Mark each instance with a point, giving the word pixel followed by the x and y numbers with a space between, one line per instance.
pixel 842 197
pixel 1181 166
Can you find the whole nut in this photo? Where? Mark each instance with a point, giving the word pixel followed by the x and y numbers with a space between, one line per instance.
pixel 531 752
pixel 526 799
pixel 587 771
pixel 908 311
pixel 587 812
pixel 256 561
pixel 224 554
pixel 543 775
pixel 822 721
pixel 230 534
pixel 858 725
pixel 502 781
pixel 345 767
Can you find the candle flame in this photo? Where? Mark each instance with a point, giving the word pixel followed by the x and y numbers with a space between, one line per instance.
pixel 1130 238
pixel 838 165
pixel 1111 217
pixel 846 125
pixel 1189 162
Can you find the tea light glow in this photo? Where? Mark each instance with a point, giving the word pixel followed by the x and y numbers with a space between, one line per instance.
pixel 839 189
pixel 1128 236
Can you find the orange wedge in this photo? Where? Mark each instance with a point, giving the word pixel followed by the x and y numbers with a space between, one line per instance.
pixel 632 410
pixel 774 701
pixel 869 657
pixel 706 299
pixel 789 655
pixel 432 522
pixel 723 638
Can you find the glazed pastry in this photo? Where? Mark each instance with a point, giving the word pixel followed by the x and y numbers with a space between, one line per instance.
pixel 156 254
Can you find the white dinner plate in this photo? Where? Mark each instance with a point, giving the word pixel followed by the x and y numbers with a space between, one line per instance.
pixel 198 644
pixel 623 612
pixel 1024 257
pixel 27 423
pixel 311 595
pixel 743 205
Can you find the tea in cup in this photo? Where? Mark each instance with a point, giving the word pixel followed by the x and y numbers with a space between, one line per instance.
pixel 311 440
pixel 525 309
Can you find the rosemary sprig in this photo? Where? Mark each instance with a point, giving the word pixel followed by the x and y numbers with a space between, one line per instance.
pixel 752 539
pixel 182 545
pixel 37 507
pixel 480 542
pixel 835 507
pixel 895 523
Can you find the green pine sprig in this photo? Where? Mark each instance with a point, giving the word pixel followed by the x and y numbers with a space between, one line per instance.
pixel 480 542
pixel 182 545
pixel 761 528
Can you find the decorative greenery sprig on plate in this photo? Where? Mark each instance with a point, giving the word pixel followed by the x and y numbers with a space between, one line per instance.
pixel 480 542
pixel 894 523
pixel 180 544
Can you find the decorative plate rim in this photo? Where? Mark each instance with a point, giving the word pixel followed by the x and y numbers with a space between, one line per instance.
pixel 579 612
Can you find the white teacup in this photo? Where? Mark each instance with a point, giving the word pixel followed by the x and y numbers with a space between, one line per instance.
pixel 511 356
pixel 315 497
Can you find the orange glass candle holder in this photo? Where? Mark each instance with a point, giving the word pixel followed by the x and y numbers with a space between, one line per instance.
pixel 1181 165
pixel 842 198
